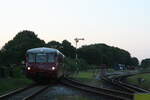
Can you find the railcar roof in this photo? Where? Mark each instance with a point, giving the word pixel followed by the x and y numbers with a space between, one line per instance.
pixel 42 50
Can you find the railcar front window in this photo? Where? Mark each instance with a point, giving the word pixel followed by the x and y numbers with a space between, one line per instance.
pixel 31 58
pixel 51 58
pixel 41 58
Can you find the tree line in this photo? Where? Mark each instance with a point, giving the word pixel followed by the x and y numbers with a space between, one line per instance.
pixel 13 52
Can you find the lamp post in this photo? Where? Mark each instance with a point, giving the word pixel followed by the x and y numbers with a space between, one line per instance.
pixel 77 40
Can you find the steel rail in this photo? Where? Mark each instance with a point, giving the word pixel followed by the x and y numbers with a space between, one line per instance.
pixel 116 83
pixel 119 95
pixel 36 93
pixel 11 93
pixel 38 90
pixel 135 88
pixel 127 87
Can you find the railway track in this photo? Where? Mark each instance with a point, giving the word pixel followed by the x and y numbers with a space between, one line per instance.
pixel 135 89
pixel 125 86
pixel 26 93
pixel 117 95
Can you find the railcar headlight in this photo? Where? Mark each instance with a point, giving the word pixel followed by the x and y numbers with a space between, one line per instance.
pixel 29 68
pixel 53 68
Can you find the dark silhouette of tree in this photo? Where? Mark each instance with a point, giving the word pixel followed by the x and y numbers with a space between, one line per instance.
pixel 134 61
pixel 14 51
pixel 54 44
pixel 1 56
pixel 103 54
pixel 145 63
pixel 67 49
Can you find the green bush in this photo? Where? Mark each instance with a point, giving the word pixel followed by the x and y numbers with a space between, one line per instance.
pixel 13 71
pixel 74 65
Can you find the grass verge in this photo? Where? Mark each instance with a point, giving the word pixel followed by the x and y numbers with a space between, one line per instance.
pixel 8 84
pixel 88 77
pixel 136 80
pixel 18 80
pixel 141 96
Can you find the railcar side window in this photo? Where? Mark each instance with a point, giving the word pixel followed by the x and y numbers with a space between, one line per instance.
pixel 51 58
pixel 31 58
pixel 41 58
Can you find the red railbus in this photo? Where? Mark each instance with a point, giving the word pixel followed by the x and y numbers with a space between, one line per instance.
pixel 44 63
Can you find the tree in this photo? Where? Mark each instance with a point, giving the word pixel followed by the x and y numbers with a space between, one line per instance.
pixel 67 49
pixel 1 56
pixel 54 44
pixel 98 54
pixel 145 63
pixel 134 61
pixel 14 51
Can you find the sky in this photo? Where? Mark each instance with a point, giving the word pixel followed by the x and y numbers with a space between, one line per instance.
pixel 120 23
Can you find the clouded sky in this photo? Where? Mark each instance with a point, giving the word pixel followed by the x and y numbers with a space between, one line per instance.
pixel 121 23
